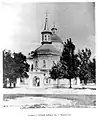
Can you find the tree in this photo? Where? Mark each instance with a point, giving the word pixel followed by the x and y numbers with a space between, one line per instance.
pixel 14 66
pixel 84 73
pixel 68 66
pixel 69 61
pixel 56 72
pixel 92 69
pixel 21 66
pixel 8 71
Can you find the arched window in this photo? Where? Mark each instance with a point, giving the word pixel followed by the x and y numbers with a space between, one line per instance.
pixel 45 37
pixel 48 37
pixel 36 64
pixel 47 80
pixel 44 63
pixel 42 37
pixel 32 67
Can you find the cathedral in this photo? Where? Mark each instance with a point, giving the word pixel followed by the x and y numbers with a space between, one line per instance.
pixel 44 57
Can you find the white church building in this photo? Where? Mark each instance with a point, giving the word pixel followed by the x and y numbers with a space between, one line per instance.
pixel 44 57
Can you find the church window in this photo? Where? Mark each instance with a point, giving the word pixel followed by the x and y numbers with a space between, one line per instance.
pixel 42 37
pixel 48 37
pixel 36 64
pixel 32 67
pixel 44 63
pixel 47 80
pixel 45 37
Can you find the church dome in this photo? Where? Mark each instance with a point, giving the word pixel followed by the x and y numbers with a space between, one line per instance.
pixel 56 38
pixel 47 49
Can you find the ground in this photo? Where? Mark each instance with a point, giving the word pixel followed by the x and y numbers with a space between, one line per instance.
pixel 24 97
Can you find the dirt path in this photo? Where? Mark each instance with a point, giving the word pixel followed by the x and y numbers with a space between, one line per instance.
pixel 49 100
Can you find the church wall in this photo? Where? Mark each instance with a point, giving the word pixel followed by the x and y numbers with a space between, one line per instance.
pixel 31 79
pixel 48 61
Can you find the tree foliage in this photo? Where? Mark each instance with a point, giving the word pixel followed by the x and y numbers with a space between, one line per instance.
pixel 57 72
pixel 84 73
pixel 14 66
pixel 69 61
pixel 22 67
pixel 73 65
pixel 68 66
pixel 92 69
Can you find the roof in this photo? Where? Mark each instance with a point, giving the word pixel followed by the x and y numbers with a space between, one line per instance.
pixel 56 38
pixel 45 31
pixel 47 49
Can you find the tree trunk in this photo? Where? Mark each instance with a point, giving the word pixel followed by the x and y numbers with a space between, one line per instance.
pixel 76 80
pixel 85 82
pixel 57 83
pixel 70 83
pixel 10 84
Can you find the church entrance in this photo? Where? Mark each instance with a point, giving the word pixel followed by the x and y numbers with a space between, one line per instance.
pixel 36 81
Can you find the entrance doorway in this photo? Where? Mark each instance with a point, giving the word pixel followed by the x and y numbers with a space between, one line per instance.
pixel 36 81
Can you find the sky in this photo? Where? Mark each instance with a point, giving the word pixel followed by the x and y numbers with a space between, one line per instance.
pixel 22 24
